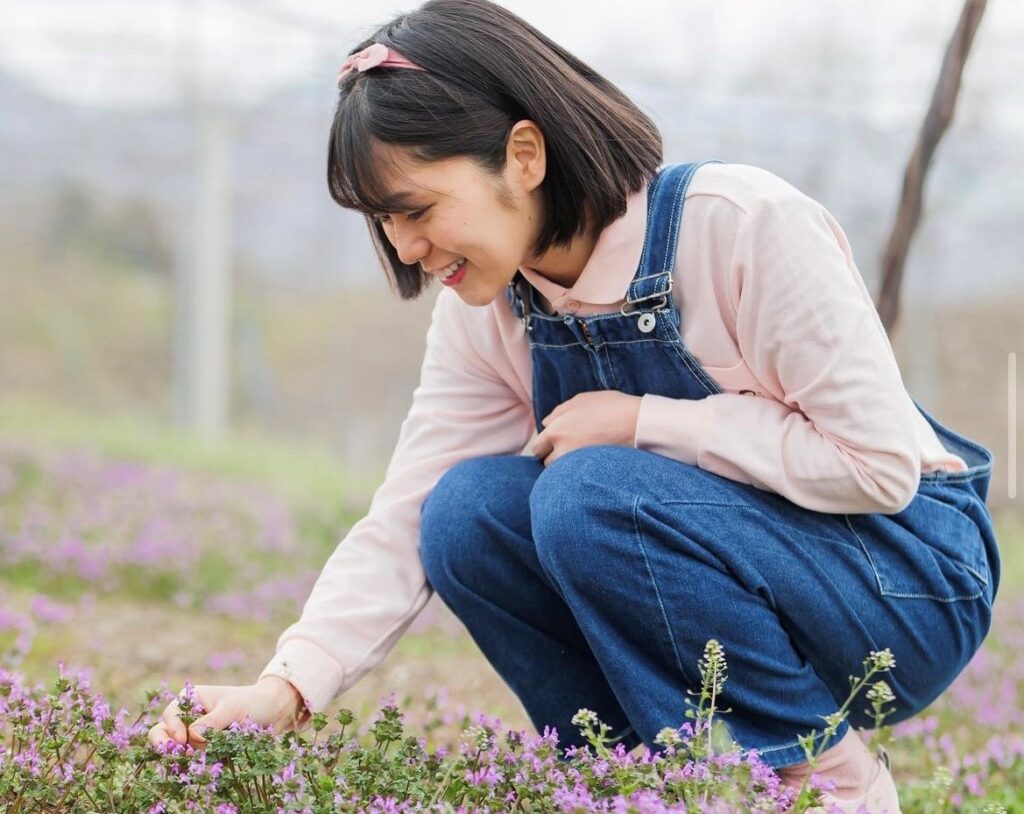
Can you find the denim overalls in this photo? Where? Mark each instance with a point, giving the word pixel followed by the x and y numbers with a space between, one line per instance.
pixel 596 582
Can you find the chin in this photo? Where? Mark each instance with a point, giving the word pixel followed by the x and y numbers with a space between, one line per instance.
pixel 477 299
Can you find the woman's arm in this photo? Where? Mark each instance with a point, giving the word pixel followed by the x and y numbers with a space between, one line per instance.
pixel 373 585
pixel 834 431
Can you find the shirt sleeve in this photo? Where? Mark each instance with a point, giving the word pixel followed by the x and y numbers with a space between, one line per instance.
pixel 834 431
pixel 373 585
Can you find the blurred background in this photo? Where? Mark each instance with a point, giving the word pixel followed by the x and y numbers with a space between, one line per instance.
pixel 203 371
pixel 169 252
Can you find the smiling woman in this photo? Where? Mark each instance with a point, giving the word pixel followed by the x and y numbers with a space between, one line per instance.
pixel 500 87
pixel 473 229
pixel 724 445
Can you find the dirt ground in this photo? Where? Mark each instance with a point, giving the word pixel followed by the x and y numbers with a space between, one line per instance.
pixel 130 646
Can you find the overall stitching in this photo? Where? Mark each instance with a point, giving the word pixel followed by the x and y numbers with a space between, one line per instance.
pixel 900 595
pixel 657 593
pixel 694 368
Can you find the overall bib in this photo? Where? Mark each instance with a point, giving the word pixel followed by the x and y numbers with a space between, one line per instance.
pixel 596 582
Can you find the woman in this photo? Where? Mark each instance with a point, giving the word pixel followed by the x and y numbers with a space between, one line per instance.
pixel 724 447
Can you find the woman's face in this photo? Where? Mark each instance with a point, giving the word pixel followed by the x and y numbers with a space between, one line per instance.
pixel 465 218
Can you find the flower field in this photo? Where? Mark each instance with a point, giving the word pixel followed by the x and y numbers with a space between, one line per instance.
pixel 121 580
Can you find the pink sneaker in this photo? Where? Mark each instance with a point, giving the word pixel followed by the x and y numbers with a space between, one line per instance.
pixel 880 798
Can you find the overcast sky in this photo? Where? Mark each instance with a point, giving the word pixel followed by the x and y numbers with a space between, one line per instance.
pixel 136 53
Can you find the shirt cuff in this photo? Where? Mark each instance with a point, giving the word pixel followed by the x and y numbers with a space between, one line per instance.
pixel 310 670
pixel 674 428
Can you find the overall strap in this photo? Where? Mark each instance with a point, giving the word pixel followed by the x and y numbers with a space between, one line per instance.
pixel 665 197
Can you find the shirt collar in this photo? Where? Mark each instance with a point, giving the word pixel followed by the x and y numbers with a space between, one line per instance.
pixel 612 263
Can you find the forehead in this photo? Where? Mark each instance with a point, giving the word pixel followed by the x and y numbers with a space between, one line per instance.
pixel 406 179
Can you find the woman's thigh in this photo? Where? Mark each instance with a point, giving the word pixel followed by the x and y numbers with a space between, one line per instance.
pixel 841 585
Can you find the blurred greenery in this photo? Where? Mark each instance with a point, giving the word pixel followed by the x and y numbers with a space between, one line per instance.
pixel 1010 534
pixel 326 496
pixel 311 478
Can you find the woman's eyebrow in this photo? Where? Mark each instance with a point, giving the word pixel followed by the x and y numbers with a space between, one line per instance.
pixel 407 198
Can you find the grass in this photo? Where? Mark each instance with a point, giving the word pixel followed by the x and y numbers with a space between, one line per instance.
pixel 308 476
pixel 1010 534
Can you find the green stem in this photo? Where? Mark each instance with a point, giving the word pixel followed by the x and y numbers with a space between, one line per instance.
pixel 70 746
pixel 443 785
pixel 858 685
pixel 337 754
pixel 237 782
pixel 133 778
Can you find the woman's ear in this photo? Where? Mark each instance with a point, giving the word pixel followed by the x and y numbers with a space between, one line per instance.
pixel 525 157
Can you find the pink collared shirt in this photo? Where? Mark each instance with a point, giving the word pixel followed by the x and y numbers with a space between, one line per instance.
pixel 812 404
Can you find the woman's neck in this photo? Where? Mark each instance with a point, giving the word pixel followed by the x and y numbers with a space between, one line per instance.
pixel 565 264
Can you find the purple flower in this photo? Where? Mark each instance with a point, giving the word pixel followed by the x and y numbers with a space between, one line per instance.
pixel 486 776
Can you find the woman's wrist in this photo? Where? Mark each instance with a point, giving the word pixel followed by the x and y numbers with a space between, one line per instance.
pixel 287 690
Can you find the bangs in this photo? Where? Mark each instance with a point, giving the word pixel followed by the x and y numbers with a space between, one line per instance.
pixel 361 166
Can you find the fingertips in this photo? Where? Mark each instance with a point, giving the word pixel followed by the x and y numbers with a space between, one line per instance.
pixel 159 736
pixel 174 727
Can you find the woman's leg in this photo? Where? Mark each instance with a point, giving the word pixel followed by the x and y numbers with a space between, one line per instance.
pixel 478 553
pixel 655 557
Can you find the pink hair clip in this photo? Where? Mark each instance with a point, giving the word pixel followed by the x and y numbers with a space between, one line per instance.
pixel 377 55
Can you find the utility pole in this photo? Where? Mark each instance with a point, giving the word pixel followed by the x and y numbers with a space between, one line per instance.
pixel 203 287
pixel 203 296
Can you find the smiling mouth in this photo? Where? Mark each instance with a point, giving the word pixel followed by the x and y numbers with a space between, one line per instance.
pixel 447 271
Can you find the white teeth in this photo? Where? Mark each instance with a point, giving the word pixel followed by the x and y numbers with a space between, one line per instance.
pixel 450 270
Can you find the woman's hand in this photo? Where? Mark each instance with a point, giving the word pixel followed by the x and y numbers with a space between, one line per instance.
pixel 272 701
pixel 586 420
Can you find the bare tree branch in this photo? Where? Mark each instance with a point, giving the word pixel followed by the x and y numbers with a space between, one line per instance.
pixel 936 121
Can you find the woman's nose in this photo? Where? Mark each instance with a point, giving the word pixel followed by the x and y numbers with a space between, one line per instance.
pixel 410 245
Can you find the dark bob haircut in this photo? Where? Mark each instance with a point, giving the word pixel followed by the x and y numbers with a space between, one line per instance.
pixel 484 70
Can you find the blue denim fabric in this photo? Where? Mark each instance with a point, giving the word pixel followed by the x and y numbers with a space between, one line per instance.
pixel 596 582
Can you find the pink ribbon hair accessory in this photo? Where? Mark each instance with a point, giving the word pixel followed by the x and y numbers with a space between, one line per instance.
pixel 377 55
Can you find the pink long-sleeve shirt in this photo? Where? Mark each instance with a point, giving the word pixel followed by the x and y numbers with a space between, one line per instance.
pixel 812 404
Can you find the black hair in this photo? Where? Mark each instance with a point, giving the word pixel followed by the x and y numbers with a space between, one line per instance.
pixel 484 70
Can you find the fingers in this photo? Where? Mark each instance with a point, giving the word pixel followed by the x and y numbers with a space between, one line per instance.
pixel 195 737
pixel 215 707
pixel 159 736
pixel 171 728
pixel 172 724
pixel 207 698
pixel 542 446
pixel 222 706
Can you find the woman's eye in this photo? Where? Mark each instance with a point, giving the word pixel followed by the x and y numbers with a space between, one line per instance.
pixel 416 215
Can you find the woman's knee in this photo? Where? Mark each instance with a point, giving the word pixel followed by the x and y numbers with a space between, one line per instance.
pixel 455 516
pixel 577 500
pixel 589 501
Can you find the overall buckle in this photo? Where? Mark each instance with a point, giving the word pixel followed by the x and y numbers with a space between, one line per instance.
pixel 658 295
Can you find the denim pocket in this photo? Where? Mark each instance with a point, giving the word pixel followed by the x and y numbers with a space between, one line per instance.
pixel 930 550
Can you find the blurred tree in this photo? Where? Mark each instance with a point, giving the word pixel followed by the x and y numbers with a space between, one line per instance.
pixel 141 238
pixel 129 237
pixel 936 122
